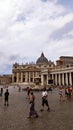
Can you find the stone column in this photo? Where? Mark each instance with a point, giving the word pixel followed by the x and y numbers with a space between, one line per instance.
pixel 29 76
pixel 13 78
pixel 36 74
pixel 59 80
pixel 63 79
pixel 21 77
pixel 17 77
pixel 26 77
pixel 70 78
pixel 42 80
pixel 47 79
pixel 66 79
pixel 56 79
pixel 33 77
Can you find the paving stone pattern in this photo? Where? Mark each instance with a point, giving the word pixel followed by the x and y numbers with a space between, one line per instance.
pixel 14 116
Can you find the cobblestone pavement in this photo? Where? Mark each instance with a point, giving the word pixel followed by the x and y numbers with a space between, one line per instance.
pixel 14 117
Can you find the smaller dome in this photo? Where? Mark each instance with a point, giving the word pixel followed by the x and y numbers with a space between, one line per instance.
pixel 42 59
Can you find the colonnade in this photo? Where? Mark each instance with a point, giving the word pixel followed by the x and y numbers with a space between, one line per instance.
pixel 59 78
pixel 62 78
pixel 24 77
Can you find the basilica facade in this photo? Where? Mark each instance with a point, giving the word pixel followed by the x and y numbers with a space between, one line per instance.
pixel 44 72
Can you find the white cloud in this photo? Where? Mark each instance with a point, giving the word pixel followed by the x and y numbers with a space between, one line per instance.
pixel 26 27
pixel 68 34
pixel 61 21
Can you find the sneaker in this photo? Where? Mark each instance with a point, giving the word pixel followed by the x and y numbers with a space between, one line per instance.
pixel 36 116
pixel 41 110
pixel 48 109
pixel 29 116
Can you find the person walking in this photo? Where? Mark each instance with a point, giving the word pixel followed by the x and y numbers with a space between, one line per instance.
pixel 28 92
pixel 32 112
pixel 69 92
pixel 45 100
pixel 6 97
pixel 61 94
pixel 1 91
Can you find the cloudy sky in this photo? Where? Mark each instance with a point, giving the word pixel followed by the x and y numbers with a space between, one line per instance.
pixel 30 27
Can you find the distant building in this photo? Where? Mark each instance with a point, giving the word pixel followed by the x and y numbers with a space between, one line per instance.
pixel 32 73
pixel 65 61
pixel 44 72
pixel 41 73
pixel 5 79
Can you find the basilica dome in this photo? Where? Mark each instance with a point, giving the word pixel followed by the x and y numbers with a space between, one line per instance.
pixel 42 60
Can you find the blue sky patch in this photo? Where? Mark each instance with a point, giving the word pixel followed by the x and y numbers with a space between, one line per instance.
pixel 66 3
pixel 44 0
pixel 59 34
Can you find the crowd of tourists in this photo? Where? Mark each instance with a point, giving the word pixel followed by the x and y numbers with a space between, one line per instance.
pixel 67 91
pixel 63 92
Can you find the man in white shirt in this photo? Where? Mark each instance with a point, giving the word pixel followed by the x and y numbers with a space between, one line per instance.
pixel 44 100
